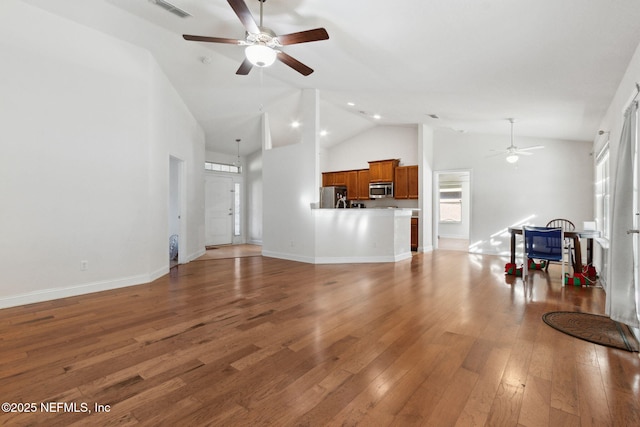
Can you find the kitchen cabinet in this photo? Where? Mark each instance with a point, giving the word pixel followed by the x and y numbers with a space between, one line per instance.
pixel 358 184
pixel 327 179
pixel 356 181
pixel 334 178
pixel 405 183
pixel 414 234
pixel 352 185
pixel 382 170
pixel 363 184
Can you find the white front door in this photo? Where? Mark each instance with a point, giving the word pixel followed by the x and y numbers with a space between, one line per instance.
pixel 218 210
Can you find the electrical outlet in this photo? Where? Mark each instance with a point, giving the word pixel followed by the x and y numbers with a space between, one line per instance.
pixel 84 265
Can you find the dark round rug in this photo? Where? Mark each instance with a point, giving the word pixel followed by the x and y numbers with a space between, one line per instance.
pixel 593 328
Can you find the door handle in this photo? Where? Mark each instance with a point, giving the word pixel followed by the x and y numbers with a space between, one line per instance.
pixel 633 231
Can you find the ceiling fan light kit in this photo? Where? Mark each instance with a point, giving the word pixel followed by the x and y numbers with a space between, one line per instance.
pixel 262 44
pixel 260 55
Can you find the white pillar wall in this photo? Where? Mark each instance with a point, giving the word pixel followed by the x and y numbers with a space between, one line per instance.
pixel 290 184
pixel 425 189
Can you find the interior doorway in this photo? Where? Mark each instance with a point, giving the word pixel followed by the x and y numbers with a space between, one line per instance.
pixel 175 238
pixel 452 209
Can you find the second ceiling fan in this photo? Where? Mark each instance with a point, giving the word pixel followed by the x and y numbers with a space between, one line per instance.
pixel 512 152
pixel 262 44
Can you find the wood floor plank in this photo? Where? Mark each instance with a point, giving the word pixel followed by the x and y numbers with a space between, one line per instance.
pixel 536 400
pixel 594 411
pixel 444 338
pixel 478 405
pixel 564 387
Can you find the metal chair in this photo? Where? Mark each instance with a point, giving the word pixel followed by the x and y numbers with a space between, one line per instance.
pixel 566 225
pixel 543 243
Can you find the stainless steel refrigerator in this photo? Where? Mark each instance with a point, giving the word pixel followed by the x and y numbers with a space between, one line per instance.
pixel 330 197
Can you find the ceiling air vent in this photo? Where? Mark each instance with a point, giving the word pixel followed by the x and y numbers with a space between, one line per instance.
pixel 171 8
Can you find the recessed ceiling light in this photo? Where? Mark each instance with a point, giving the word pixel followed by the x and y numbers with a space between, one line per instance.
pixel 351 104
pixel 377 116
pixel 323 133
pixel 295 124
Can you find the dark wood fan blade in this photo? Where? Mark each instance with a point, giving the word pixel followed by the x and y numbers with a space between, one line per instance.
pixel 211 39
pixel 304 36
pixel 245 67
pixel 241 9
pixel 294 63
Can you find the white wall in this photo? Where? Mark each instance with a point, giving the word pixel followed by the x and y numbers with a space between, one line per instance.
pixel 555 182
pixel 378 143
pixel 88 127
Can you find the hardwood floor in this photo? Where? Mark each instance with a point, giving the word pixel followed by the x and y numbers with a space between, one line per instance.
pixel 453 244
pixel 441 339
pixel 231 251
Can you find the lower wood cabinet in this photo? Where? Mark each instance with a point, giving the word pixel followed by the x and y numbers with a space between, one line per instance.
pixel 414 234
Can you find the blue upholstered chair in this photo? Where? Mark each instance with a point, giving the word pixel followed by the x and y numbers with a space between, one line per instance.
pixel 545 243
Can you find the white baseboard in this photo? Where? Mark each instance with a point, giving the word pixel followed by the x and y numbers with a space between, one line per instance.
pixel 196 255
pixel 287 256
pixel 362 260
pixel 338 260
pixel 71 291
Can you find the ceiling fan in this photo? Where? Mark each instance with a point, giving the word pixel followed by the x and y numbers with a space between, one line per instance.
pixel 512 152
pixel 262 44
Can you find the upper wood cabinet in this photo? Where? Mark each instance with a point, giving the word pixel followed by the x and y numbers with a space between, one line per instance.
pixel 363 184
pixel 356 181
pixel 352 185
pixel 405 183
pixel 382 170
pixel 334 178
pixel 327 179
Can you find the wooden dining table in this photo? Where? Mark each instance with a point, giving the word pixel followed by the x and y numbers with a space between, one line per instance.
pixel 575 235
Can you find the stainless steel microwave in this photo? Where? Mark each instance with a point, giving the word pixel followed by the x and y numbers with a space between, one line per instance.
pixel 380 190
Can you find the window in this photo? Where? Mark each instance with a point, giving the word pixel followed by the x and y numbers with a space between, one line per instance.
pixel 236 209
pixel 603 193
pixel 450 202
pixel 221 167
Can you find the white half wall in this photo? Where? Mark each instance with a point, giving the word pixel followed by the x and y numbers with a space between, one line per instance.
pixel 89 125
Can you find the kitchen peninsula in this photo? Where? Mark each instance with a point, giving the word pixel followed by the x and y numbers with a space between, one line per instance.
pixel 362 235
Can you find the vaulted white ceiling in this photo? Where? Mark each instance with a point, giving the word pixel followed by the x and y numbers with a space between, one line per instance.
pixel 553 65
